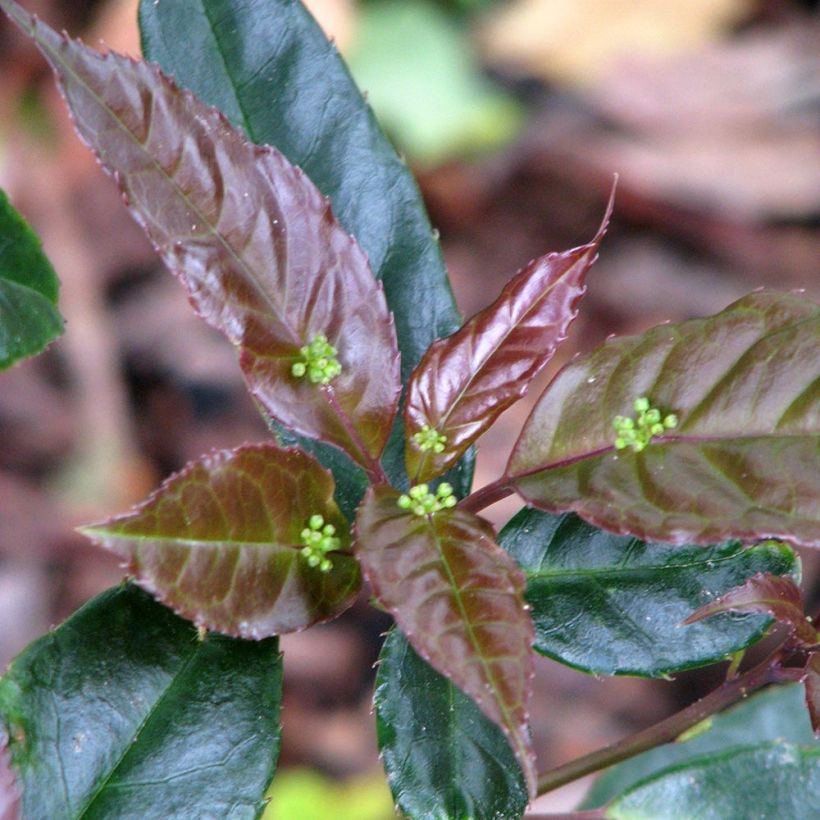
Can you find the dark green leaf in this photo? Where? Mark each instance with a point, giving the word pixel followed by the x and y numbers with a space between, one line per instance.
pixel 777 713
pixel 464 382
pixel 743 460
pixel 250 237
pixel 458 598
pixel 28 290
pixel 270 68
pixel 772 781
pixel 778 597
pixel 121 712
pixel 613 605
pixel 220 542
pixel 444 759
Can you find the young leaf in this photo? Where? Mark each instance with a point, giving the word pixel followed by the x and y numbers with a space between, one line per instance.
pixel 246 50
pixel 770 780
pixel 444 759
pixel 612 605
pixel 740 455
pixel 458 598
pixel 812 686
pixel 9 796
pixel 763 592
pixel 28 290
pixel 122 712
pixel 252 240
pixel 222 543
pixel 464 382
pixel 776 713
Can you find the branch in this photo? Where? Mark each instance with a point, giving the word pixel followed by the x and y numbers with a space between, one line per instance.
pixel 487 495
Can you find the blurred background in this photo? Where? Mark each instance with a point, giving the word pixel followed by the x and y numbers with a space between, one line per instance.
pixel 514 115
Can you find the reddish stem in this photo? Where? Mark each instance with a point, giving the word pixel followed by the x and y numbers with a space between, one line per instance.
pixel 487 495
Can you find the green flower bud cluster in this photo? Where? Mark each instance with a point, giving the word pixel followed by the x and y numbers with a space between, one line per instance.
pixel 422 502
pixel 637 433
pixel 319 361
pixel 319 539
pixel 428 438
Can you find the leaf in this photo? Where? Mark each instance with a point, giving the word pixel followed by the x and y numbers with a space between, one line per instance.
pixel 250 237
pixel 744 459
pixel 444 759
pixel 769 781
pixel 9 797
pixel 245 52
pixel 28 290
pixel 776 713
pixel 763 592
pixel 220 542
pixel 458 598
pixel 466 381
pixel 613 605
pixel 812 687
pixel 122 712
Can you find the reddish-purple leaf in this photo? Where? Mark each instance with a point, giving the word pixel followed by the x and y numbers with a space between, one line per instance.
pixel 743 460
pixel 250 237
pixel 220 542
pixel 458 597
pixel 464 382
pixel 812 685
pixel 9 796
pixel 775 595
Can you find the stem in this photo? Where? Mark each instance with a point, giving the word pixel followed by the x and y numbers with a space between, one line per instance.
pixel 769 671
pixel 487 495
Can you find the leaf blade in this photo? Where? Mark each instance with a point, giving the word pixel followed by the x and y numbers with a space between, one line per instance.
pixel 763 592
pixel 464 382
pixel 220 543
pixel 9 796
pixel 458 598
pixel 117 707
pixel 743 461
pixel 443 758
pixel 613 605
pixel 29 319
pixel 248 235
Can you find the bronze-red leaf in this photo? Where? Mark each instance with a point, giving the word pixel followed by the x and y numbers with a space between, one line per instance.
pixel 464 382
pixel 812 685
pixel 741 457
pixel 458 597
pixel 250 237
pixel 220 543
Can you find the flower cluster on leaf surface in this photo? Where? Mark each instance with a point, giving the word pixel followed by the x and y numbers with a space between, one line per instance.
pixel 428 438
pixel 421 501
pixel 319 539
pixel 319 362
pixel 638 432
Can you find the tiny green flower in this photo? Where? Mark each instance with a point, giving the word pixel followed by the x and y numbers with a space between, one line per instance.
pixel 319 539
pixel 428 438
pixel 638 433
pixel 420 501
pixel 319 362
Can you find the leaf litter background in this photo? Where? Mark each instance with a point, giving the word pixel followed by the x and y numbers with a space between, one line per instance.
pixel 709 112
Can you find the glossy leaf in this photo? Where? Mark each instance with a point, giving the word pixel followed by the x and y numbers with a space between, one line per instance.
pixel 122 712
pixel 776 713
pixel 778 597
pixel 743 460
pixel 28 290
pixel 9 796
pixel 812 687
pixel 220 542
pixel 464 382
pixel 246 54
pixel 250 237
pixel 771 780
pixel 613 605
pixel 458 598
pixel 444 759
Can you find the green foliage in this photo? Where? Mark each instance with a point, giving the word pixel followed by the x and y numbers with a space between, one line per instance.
pixel 333 312
pixel 28 290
